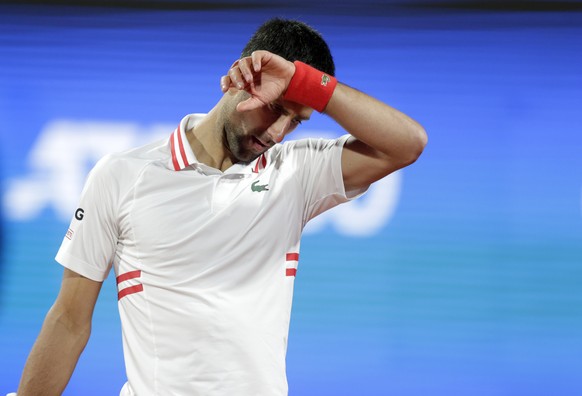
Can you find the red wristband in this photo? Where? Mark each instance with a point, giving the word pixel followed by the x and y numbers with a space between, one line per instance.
pixel 310 87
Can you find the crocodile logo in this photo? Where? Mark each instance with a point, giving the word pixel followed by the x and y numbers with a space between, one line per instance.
pixel 255 187
pixel 324 80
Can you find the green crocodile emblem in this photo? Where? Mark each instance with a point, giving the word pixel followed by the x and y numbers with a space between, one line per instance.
pixel 324 80
pixel 259 187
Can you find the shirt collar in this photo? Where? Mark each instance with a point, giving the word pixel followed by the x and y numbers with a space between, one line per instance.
pixel 182 154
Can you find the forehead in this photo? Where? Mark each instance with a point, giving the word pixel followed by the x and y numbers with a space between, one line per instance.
pixel 297 110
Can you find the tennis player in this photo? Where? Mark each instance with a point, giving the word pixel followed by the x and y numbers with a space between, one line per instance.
pixel 203 229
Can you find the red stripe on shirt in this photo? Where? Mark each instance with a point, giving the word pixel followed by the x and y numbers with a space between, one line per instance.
pixel 181 144
pixel 129 290
pixel 291 257
pixel 173 149
pixel 260 164
pixel 128 275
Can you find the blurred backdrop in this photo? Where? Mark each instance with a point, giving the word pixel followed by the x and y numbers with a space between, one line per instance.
pixel 460 275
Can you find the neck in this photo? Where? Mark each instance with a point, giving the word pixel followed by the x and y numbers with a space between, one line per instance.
pixel 206 141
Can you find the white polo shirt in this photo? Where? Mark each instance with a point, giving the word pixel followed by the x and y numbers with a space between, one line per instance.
pixel 205 260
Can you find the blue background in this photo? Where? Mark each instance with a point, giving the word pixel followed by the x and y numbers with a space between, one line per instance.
pixel 471 286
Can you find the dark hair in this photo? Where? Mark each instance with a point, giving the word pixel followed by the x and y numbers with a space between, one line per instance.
pixel 292 40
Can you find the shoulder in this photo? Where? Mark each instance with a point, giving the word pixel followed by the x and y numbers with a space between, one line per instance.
pixel 130 162
pixel 315 144
pixel 118 172
pixel 308 146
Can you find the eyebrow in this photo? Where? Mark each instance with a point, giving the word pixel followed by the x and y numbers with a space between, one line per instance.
pixel 285 111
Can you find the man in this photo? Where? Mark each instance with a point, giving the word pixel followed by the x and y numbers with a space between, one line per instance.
pixel 203 229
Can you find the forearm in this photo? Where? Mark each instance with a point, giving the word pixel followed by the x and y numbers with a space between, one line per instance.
pixel 378 125
pixel 54 356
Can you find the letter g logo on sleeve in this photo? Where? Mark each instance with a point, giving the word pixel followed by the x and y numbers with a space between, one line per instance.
pixel 79 213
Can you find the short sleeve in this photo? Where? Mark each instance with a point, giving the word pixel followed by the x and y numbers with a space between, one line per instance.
pixel 318 167
pixel 91 240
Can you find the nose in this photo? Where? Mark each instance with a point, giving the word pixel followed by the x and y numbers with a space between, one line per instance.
pixel 280 128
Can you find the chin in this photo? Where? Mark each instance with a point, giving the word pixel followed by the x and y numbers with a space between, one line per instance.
pixel 247 156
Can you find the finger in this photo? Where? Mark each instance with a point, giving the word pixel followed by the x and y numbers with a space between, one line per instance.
pixel 257 59
pixel 236 78
pixel 249 104
pixel 225 83
pixel 245 68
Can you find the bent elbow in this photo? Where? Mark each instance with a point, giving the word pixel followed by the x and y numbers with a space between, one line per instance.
pixel 418 142
pixel 423 138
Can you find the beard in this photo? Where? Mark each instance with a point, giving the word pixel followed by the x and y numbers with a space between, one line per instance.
pixel 239 143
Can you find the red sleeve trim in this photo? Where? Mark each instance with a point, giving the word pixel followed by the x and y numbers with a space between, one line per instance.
pixel 128 275
pixel 129 290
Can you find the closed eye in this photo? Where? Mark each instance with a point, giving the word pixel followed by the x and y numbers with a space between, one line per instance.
pixel 277 109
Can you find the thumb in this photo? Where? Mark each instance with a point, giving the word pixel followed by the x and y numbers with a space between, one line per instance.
pixel 249 104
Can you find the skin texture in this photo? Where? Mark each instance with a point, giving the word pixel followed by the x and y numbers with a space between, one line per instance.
pixel 249 119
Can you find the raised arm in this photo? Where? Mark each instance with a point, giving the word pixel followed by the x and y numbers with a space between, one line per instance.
pixel 383 138
pixel 63 337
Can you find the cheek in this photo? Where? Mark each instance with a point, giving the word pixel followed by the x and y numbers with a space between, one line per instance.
pixel 258 120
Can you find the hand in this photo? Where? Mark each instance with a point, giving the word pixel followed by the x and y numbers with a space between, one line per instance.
pixel 264 75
